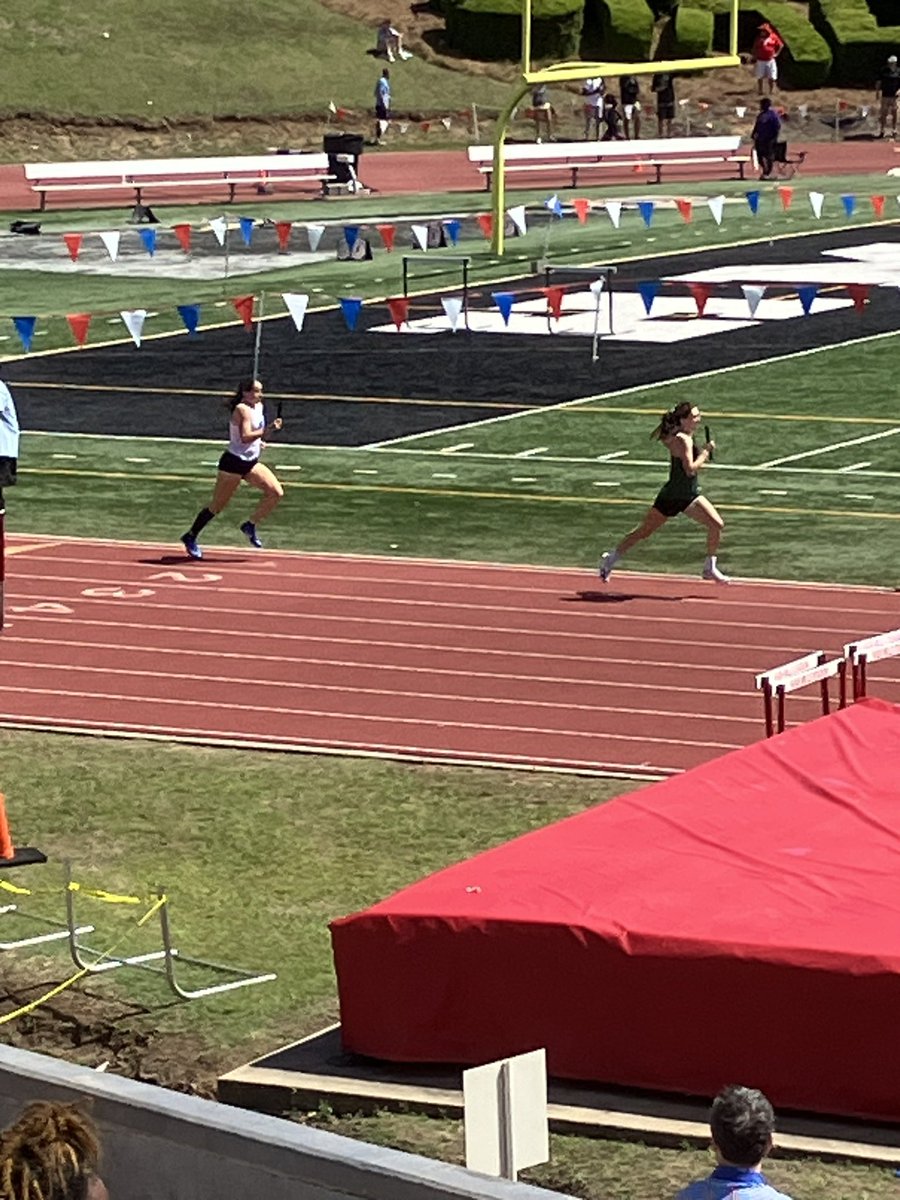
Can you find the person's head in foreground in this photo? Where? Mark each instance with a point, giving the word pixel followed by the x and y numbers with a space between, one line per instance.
pixel 52 1152
pixel 742 1122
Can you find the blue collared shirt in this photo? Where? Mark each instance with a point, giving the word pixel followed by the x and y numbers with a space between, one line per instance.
pixel 732 1183
pixel 9 425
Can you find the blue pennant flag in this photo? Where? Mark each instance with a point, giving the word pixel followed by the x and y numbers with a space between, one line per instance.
pixel 25 329
pixel 148 237
pixel 849 203
pixel 452 228
pixel 350 306
pixel 649 291
pixel 807 294
pixel 504 301
pixel 246 224
pixel 554 204
pixel 351 234
pixel 753 201
pixel 646 207
pixel 190 314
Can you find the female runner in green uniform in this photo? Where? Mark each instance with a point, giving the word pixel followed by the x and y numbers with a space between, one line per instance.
pixel 681 493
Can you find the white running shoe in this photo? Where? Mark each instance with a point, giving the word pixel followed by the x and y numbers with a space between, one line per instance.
pixel 607 562
pixel 712 572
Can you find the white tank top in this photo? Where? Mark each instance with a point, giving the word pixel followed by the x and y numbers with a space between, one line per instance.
pixel 248 451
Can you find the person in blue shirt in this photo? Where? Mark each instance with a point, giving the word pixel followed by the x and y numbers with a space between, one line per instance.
pixel 9 440
pixel 765 137
pixel 742 1123
pixel 382 104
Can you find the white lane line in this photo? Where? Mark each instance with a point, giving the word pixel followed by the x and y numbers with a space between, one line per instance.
pixel 364 471
pixel 453 449
pixel 531 453
pixel 610 457
pixel 772 492
pixel 523 479
pixel 605 483
pixel 856 467
pixel 63 455
pixel 869 437
pixel 858 496
pixel 131 460
pixel 443 475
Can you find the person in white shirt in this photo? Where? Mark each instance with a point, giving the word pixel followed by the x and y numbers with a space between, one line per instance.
pixel 390 42
pixel 9 440
pixel 246 429
pixel 593 91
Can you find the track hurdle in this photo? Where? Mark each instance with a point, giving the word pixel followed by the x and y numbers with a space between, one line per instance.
pixel 776 683
pixel 869 650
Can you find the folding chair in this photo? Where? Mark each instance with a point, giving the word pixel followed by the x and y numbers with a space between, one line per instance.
pixel 787 167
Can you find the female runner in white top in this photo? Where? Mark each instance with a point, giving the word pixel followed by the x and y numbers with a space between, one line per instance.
pixel 246 431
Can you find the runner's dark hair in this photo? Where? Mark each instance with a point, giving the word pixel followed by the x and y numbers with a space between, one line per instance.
pixel 671 420
pixel 246 385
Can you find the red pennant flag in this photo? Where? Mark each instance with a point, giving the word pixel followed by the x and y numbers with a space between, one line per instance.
pixel 79 323
pixel 73 244
pixel 243 306
pixel 183 233
pixel 424 126
pixel 387 235
pixel 878 205
pixel 843 105
pixel 859 293
pixel 399 307
pixel 283 229
pixel 638 168
pixel 554 299
pixel 486 224
pixel 582 208
pixel 787 195
pixel 342 114
pixel 700 292
pixel 686 208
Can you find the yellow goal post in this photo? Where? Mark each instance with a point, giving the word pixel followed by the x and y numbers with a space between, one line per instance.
pixel 567 72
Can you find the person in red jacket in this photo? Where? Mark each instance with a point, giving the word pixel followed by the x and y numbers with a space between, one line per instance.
pixel 766 48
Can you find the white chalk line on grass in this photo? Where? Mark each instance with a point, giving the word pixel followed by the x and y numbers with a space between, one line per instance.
pixel 869 437
pixel 631 391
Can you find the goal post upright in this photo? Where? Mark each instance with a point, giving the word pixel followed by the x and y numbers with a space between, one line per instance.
pixel 568 72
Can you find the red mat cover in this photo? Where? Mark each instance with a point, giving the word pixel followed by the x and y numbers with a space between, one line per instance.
pixel 740 922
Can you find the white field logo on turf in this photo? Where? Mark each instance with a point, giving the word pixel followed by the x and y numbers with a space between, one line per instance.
pixel 674 317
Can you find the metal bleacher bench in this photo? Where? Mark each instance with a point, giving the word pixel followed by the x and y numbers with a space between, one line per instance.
pixel 255 171
pixel 579 158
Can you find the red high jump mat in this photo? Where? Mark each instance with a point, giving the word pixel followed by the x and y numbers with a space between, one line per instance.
pixel 740 922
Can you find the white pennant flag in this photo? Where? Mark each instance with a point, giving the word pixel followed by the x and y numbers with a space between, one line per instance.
pixel 517 216
pixel 420 233
pixel 403 126
pixel 452 307
pixel 803 110
pixel 219 226
pixel 111 242
pixel 816 200
pixel 446 122
pixel 752 294
pixel 614 211
pixel 332 107
pixel 383 127
pixel 716 207
pixel 314 233
pixel 296 303
pixel 741 111
pixel 597 288
pixel 134 323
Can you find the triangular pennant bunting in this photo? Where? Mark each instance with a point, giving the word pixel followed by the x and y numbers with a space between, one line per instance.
pixel 649 290
pixel 700 292
pixel 387 233
pixel 614 211
pixel 314 234
pixel 554 299
pixel 190 315
pixel 807 293
pixel 452 306
pixel 246 227
pixel 877 203
pixel 399 309
pixel 296 304
pixel 554 205
pixel 79 323
pixel 859 294
pixel 504 301
pixel 243 306
pixel 485 224
pixel 849 203
pixel 597 286
pixel 452 228
pixel 716 207
pixel 420 236
pixel 753 201
pixel 686 208
pixel 134 322
pixel 582 207
pixel 25 330
pixel 110 239
pixel 219 226
pixel 787 196
pixel 73 244
pixel 283 230
pixel 148 237
pixel 517 216
pixel 816 200
pixel 183 232
pixel 752 294
pixel 351 235
pixel 646 208
pixel 350 307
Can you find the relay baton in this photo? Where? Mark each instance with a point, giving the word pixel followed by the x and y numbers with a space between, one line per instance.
pixel 278 410
pixel 708 438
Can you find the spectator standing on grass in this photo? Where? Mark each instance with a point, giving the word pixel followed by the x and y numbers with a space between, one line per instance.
pixel 51 1153
pixel 765 133
pixel 742 1123
pixel 612 120
pixel 663 87
pixel 886 90
pixel 630 92
pixel 542 113
pixel 766 48
pixel 592 90
pixel 382 104
pixel 9 440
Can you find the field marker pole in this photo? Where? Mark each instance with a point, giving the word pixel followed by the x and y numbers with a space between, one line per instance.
pixel 256 344
pixel 2 557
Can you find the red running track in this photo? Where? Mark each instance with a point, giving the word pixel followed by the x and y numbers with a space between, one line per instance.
pixel 408 658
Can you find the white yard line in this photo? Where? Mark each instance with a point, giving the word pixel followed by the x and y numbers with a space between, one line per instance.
pixel 869 437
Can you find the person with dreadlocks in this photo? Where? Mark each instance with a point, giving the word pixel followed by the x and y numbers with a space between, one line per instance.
pixel 681 493
pixel 51 1153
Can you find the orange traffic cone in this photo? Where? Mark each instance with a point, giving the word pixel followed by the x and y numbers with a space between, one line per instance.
pixel 7 849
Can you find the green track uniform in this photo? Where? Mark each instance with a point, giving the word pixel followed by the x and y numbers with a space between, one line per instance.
pixel 680 489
